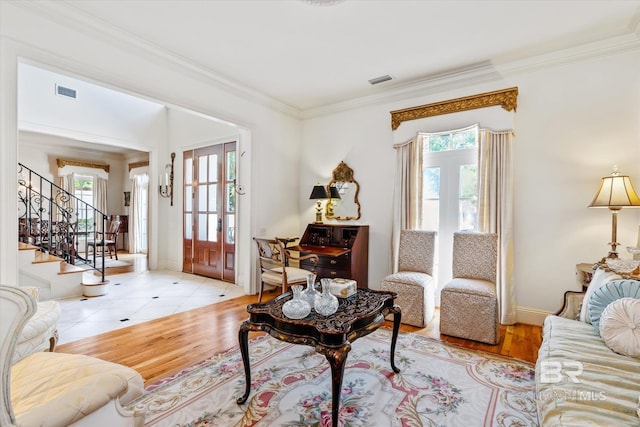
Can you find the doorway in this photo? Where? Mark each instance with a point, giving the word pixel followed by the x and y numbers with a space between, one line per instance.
pixel 209 211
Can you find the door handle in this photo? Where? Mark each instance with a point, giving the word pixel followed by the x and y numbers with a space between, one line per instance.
pixel 219 225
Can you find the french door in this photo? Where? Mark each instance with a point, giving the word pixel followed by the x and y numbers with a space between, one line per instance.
pixel 449 203
pixel 209 211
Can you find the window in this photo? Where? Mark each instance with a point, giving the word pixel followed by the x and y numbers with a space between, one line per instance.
pixel 83 190
pixel 449 191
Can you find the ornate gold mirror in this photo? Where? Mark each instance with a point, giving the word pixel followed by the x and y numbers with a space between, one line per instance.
pixel 347 206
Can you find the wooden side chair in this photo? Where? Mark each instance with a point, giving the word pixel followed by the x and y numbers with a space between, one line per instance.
pixel 108 240
pixel 274 259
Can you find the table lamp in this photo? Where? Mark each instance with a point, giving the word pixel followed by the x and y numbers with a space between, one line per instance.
pixel 319 193
pixel 615 193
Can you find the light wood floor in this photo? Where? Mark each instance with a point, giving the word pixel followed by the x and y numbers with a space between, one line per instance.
pixel 161 347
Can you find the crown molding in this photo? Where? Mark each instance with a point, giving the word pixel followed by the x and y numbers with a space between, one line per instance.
pixel 485 73
pixel 94 27
pixel 497 70
pixel 602 48
pixel 433 84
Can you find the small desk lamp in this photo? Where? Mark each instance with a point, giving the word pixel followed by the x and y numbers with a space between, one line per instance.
pixel 615 193
pixel 319 193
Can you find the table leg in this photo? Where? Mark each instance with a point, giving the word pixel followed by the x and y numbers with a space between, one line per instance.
pixel 337 358
pixel 244 349
pixel 397 316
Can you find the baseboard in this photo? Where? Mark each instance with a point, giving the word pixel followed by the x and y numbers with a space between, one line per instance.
pixel 531 316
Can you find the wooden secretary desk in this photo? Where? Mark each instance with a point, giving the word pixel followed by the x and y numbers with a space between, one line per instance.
pixel 343 251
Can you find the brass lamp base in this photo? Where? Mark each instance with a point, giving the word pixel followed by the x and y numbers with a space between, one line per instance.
pixel 318 213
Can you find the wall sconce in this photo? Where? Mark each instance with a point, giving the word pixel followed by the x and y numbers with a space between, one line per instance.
pixel 615 193
pixel 127 198
pixel 319 193
pixel 166 180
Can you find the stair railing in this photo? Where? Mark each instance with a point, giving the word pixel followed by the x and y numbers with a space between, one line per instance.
pixel 58 222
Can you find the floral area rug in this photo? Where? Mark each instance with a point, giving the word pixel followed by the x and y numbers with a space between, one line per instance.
pixel 438 385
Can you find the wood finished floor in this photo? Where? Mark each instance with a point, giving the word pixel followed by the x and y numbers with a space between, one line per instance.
pixel 161 347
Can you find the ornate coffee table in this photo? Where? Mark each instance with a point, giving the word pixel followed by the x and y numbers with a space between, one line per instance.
pixel 357 316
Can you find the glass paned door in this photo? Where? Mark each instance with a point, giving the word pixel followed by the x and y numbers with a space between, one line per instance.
pixel 449 203
pixel 207 247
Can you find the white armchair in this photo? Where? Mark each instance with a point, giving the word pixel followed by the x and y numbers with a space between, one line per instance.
pixel 58 389
pixel 41 331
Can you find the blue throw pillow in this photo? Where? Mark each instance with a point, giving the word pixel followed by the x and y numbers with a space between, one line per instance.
pixel 608 293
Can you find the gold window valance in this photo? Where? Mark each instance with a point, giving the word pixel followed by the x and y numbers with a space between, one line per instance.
pixel 506 98
pixel 138 165
pixel 65 162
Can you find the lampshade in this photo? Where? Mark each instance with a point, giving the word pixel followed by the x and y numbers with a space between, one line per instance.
pixel 319 192
pixel 334 192
pixel 615 192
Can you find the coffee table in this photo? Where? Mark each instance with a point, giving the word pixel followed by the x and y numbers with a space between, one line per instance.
pixel 357 316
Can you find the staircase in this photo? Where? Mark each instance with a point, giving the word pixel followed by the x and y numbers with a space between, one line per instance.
pixel 54 277
pixel 54 228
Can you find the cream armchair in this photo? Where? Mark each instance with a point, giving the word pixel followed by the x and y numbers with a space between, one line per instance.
pixel 413 282
pixel 41 331
pixel 58 389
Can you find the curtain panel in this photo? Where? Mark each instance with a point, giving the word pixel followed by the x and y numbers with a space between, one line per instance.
pixel 495 210
pixel 407 188
pixel 139 190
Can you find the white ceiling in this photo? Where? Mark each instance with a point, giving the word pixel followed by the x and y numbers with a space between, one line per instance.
pixel 309 56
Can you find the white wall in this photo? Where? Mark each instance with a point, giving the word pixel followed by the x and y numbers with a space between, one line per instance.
pixel 573 122
pixel 33 36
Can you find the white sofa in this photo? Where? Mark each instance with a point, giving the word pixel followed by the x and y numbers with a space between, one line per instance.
pixel 580 380
pixel 58 389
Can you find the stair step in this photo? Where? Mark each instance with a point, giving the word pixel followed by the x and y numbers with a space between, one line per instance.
pixel 26 247
pixel 66 268
pixel 41 257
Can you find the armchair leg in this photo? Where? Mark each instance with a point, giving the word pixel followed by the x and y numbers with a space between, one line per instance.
pixel 53 341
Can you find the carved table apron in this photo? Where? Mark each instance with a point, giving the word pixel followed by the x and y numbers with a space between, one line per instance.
pixel 357 316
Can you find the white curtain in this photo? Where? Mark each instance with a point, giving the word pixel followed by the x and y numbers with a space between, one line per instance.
pixel 137 218
pixel 99 199
pixel 405 193
pixel 67 183
pixel 495 210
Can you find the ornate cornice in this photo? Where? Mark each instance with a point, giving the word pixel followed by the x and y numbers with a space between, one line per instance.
pixel 506 98
pixel 138 165
pixel 64 162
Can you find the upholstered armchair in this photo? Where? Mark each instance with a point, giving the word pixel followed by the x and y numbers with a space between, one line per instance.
pixel 41 331
pixel 58 389
pixel 468 303
pixel 413 282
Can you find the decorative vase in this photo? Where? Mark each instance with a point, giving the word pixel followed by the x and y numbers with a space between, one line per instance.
pixel 327 304
pixel 296 307
pixel 310 294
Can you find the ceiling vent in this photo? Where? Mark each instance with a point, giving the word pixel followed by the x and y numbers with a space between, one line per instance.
pixel 65 91
pixel 380 79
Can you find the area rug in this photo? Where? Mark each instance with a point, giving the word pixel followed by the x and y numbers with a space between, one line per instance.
pixel 108 263
pixel 438 385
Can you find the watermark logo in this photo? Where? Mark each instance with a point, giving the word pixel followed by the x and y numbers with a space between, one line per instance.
pixel 553 371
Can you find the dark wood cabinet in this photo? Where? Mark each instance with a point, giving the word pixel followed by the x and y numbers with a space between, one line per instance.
pixel 343 251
